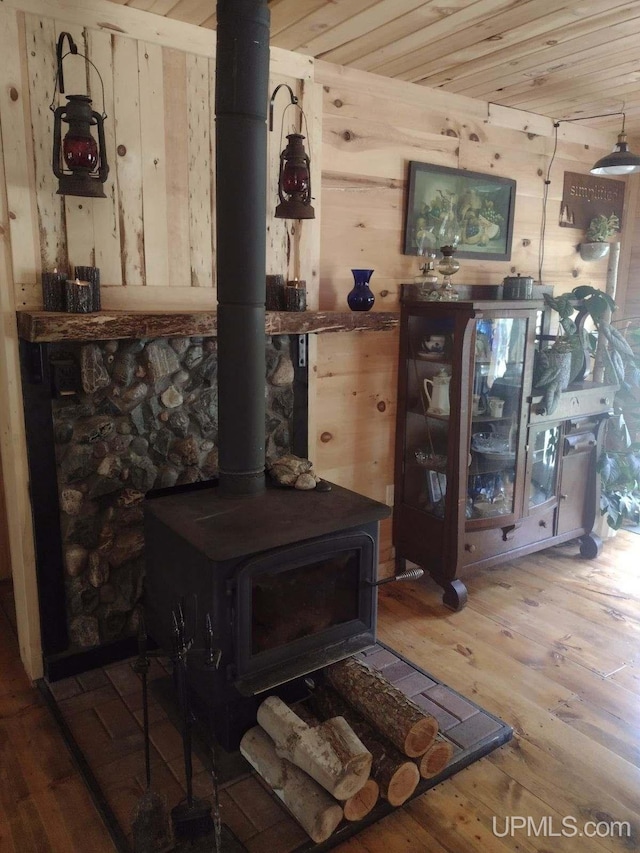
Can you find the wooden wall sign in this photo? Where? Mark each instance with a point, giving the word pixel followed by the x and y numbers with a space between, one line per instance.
pixel 586 196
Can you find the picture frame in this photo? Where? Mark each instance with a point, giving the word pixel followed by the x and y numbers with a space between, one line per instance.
pixel 479 207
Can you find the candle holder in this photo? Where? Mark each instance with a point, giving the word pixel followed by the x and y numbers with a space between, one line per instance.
pixel 296 295
pixel 53 290
pixel 92 275
pixel 78 297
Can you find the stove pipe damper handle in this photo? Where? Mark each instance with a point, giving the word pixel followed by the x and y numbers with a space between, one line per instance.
pixel 242 95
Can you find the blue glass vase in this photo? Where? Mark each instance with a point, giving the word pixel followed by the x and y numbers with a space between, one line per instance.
pixel 361 298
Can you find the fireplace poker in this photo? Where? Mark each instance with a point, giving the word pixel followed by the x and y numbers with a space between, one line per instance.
pixel 150 824
pixel 192 817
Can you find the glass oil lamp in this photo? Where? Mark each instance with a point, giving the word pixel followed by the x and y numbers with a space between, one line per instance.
pixel 448 238
pixel 426 278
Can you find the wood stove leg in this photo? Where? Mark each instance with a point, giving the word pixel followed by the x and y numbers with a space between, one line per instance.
pixel 455 595
pixel 590 546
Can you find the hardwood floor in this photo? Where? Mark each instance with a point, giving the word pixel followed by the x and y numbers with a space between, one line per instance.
pixel 550 643
pixel 44 804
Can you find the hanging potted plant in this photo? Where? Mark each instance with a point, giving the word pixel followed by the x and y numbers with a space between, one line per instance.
pixel 600 230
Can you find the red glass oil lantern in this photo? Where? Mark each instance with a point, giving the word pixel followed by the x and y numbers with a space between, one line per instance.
pixel 294 181
pixel 79 161
pixel 294 177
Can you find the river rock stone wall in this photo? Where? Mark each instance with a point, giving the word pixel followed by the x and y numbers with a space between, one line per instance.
pixel 146 418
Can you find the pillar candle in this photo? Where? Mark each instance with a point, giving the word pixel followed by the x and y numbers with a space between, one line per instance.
pixel 275 298
pixel 53 290
pixel 296 295
pixel 92 275
pixel 78 297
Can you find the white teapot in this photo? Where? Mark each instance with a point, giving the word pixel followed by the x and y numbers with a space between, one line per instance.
pixel 438 397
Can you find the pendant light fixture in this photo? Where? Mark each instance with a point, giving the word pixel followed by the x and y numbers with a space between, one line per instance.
pixel 621 161
pixel 79 160
pixel 294 177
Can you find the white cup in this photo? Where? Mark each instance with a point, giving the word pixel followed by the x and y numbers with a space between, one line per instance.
pixel 496 407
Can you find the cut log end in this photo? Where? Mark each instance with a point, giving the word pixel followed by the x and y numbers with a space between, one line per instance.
pixel 331 753
pixel 403 783
pixel 314 809
pixel 435 759
pixel 420 737
pixel 359 806
pixel 325 824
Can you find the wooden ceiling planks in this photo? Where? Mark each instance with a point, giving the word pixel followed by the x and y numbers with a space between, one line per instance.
pixel 558 58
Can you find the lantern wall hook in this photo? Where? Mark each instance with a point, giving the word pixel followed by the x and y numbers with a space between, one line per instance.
pixel 294 178
pixel 59 57
pixel 79 162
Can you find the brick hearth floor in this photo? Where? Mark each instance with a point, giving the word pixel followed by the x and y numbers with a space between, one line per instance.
pixel 103 711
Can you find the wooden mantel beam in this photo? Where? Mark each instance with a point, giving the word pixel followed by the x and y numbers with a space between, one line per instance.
pixel 48 326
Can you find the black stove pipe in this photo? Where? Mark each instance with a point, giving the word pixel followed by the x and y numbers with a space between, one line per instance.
pixel 242 83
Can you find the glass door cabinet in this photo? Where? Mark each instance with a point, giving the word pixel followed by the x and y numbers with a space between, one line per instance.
pixel 479 467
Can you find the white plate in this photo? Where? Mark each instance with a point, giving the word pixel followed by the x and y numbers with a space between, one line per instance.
pixel 431 356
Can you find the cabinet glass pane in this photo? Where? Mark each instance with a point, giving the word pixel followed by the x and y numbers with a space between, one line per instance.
pixel 544 465
pixel 427 414
pixel 496 400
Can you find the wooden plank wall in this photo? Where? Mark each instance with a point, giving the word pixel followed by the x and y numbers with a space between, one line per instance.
pixel 630 279
pixel 153 237
pixel 372 128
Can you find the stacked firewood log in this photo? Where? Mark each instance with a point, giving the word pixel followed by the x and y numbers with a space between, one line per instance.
pixel 359 738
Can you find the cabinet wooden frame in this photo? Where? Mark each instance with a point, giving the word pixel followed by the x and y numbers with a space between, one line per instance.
pixel 443 539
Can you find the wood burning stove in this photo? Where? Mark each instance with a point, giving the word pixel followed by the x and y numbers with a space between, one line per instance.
pixel 286 577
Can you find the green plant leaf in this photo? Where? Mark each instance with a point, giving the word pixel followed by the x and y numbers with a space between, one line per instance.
pixel 583 290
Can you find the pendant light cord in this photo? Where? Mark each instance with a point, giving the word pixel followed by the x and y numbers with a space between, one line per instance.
pixel 545 196
pixel 547 181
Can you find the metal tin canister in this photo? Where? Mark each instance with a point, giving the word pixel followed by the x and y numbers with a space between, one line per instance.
pixel 517 287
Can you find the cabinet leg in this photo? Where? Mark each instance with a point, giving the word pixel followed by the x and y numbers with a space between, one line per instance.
pixel 455 595
pixel 401 565
pixel 590 546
